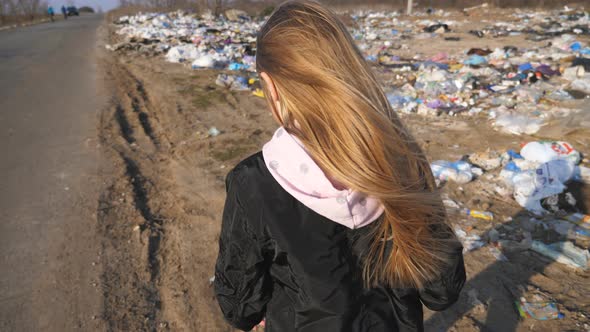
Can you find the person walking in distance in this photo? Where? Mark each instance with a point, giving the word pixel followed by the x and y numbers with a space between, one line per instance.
pixel 64 11
pixel 51 13
pixel 337 224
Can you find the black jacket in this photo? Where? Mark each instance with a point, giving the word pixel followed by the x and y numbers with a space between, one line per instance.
pixel 280 261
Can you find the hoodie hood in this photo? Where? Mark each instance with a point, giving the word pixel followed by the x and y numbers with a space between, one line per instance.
pixel 295 170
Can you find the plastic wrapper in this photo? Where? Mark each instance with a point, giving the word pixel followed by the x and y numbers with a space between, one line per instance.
pixel 518 124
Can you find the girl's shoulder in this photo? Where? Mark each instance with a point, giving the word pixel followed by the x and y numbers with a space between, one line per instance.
pixel 250 169
pixel 251 178
pixel 253 162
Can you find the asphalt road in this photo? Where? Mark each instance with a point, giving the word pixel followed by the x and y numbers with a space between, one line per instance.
pixel 49 105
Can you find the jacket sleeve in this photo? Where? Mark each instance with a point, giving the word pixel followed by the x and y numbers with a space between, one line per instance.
pixel 441 293
pixel 242 281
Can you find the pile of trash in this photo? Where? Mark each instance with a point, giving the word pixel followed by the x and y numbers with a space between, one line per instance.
pixel 518 89
pixel 225 42
pixel 541 26
pixel 537 178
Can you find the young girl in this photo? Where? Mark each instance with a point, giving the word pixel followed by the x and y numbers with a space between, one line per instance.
pixel 336 225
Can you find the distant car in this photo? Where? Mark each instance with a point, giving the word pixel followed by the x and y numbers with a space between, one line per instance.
pixel 72 10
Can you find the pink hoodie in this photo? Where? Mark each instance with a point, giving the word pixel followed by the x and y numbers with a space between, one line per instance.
pixel 293 168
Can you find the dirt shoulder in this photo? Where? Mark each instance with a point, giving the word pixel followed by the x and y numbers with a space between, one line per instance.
pixel 160 216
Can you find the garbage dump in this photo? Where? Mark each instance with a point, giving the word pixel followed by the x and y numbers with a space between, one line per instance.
pixel 201 42
pixel 536 95
pixel 518 89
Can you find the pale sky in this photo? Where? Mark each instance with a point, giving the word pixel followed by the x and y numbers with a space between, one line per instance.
pixel 105 4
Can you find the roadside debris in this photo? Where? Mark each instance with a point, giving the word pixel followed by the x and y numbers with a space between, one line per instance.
pixel 458 171
pixel 470 241
pixel 479 214
pixel 213 132
pixel 538 310
pixel 563 252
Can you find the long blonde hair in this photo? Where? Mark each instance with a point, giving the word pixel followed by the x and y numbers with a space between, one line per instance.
pixel 330 99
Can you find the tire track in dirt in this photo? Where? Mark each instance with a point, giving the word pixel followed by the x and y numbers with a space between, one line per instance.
pixel 132 229
pixel 147 284
pixel 126 130
pixel 153 223
pixel 161 214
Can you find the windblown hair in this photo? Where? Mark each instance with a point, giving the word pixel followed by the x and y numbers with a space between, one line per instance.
pixel 330 100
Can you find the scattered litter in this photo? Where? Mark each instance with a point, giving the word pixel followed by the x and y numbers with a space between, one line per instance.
pixel 458 171
pixel 518 124
pixel 538 310
pixel 182 53
pixel 498 255
pixel 258 93
pixel 237 15
pixel 233 82
pixel 203 61
pixel 469 242
pixel 485 215
pixel 545 151
pixel 582 220
pixel 451 204
pixel 213 132
pixel 506 83
pixel 475 60
pixel 546 180
pixel 487 160
pixel 563 252
pixel 437 28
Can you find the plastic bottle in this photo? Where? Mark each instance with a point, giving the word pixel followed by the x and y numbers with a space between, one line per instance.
pixel 458 171
pixel 485 215
pixel 237 66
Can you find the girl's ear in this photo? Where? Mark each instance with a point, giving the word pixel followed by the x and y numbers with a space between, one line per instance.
pixel 275 104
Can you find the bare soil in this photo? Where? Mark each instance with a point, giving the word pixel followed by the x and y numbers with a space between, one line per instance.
pixel 161 215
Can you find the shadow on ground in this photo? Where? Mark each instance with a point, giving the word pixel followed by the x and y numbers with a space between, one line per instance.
pixel 487 302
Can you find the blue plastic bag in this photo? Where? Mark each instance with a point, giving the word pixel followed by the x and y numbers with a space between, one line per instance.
pixel 475 60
